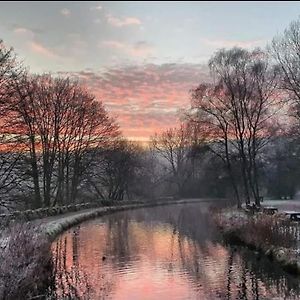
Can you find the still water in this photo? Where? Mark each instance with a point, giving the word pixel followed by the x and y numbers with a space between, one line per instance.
pixel 166 252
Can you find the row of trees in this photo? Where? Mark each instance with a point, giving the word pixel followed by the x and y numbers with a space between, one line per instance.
pixel 59 144
pixel 57 140
pixel 250 106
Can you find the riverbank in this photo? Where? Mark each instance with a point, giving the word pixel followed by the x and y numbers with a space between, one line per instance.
pixel 26 248
pixel 120 255
pixel 53 226
pixel 272 235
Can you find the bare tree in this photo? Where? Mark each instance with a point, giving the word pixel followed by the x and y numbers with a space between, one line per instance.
pixel 174 146
pixel 285 49
pixel 59 122
pixel 239 111
pixel 113 171
pixel 211 113
pixel 94 129
pixel 9 157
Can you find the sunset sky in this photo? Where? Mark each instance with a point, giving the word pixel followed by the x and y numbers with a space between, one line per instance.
pixel 141 59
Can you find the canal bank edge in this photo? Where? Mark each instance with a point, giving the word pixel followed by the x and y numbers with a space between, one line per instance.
pixel 58 226
pixel 278 254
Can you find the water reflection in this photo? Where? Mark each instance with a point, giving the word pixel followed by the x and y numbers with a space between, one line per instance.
pixel 171 252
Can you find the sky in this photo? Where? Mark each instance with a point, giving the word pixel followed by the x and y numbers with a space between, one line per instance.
pixel 140 59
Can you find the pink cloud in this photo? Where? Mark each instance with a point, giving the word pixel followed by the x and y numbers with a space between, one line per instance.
pixel 140 49
pixel 121 22
pixel 24 32
pixel 21 30
pixel 38 48
pixel 114 44
pixel 145 99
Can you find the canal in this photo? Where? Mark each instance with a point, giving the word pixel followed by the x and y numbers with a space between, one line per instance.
pixel 163 252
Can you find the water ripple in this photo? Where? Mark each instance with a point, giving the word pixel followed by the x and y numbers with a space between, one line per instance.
pixel 161 253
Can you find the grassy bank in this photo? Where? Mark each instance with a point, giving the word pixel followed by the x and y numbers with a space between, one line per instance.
pixel 273 235
pixel 25 261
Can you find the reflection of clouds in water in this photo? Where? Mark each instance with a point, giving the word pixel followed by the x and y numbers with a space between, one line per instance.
pixel 165 252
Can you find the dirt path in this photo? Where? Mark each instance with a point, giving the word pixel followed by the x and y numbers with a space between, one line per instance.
pixel 55 225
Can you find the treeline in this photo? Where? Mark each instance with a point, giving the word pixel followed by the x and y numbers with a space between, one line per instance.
pixel 239 138
pixel 242 128
pixel 58 143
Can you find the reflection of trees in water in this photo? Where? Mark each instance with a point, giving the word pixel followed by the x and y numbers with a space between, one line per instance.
pixel 250 276
pixel 118 245
pixel 75 241
pixel 246 277
pixel 218 272
pixel 71 281
pixel 229 275
pixel 191 220
pixel 271 274
pixel 122 245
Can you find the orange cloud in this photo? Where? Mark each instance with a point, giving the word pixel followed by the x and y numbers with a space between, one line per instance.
pixel 140 49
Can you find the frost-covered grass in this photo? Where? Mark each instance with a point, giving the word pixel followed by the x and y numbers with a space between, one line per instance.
pixel 25 261
pixel 273 230
pixel 40 213
pixel 57 226
pixel 275 235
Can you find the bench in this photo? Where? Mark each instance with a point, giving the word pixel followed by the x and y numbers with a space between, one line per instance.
pixel 294 215
pixel 270 210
